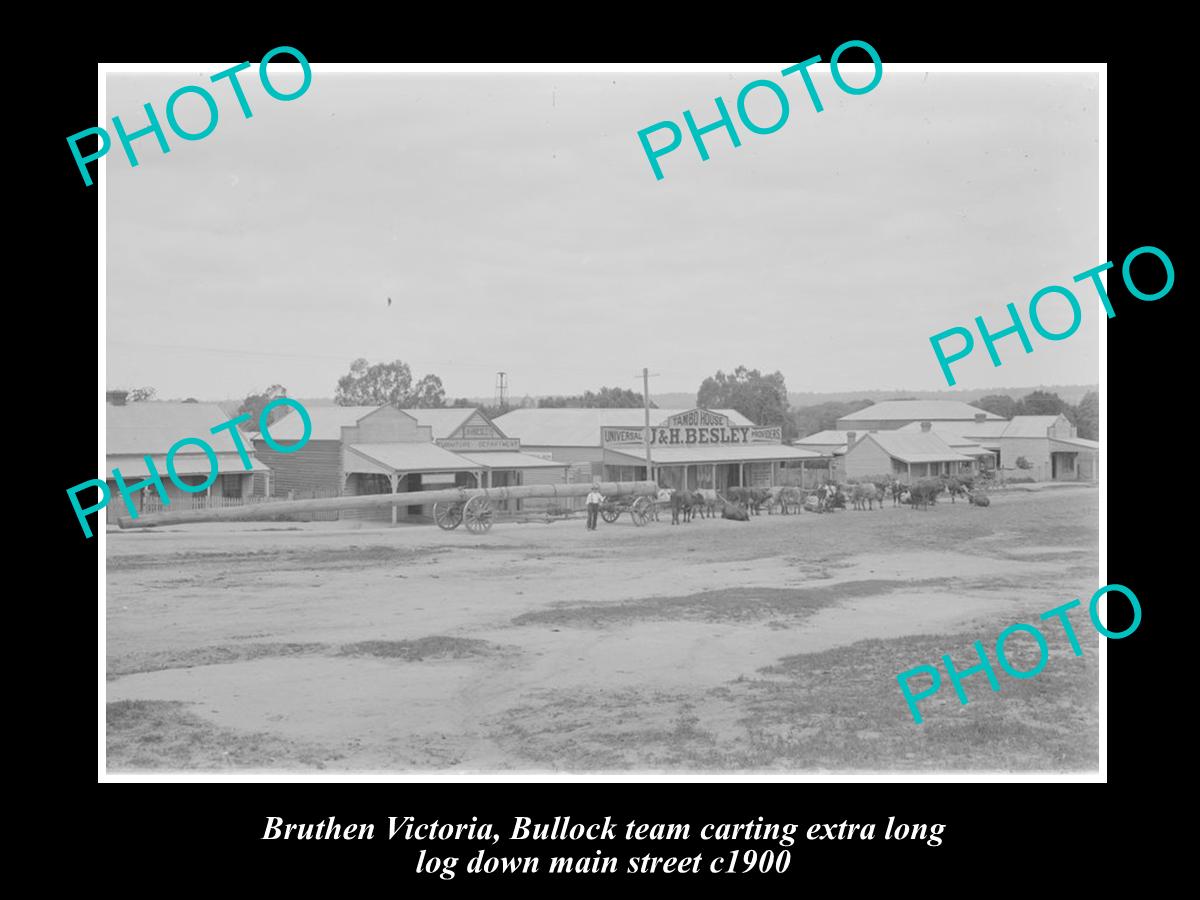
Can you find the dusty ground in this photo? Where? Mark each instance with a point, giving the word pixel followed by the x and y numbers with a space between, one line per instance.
pixel 719 645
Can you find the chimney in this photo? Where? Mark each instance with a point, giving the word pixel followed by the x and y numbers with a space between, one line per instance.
pixel 925 426
pixel 116 398
pixel 980 418
pixel 850 436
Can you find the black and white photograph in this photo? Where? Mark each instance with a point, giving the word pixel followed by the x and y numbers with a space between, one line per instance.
pixel 581 421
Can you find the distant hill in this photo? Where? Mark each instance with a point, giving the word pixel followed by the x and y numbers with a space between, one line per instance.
pixel 1071 393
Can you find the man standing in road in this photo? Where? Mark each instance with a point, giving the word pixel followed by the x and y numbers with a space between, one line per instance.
pixel 594 499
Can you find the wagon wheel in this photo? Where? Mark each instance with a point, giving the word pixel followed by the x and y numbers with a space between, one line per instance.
pixel 448 515
pixel 610 512
pixel 641 511
pixel 478 514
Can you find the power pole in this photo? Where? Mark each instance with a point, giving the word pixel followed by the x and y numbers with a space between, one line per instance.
pixel 501 389
pixel 646 433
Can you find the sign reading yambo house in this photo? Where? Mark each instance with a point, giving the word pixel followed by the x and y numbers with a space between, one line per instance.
pixel 697 426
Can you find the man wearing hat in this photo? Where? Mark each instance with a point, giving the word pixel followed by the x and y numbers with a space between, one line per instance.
pixel 594 499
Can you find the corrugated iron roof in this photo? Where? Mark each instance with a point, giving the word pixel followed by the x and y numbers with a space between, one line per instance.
pixel 510 459
pixel 153 427
pixel 1082 443
pixel 572 427
pixel 947 410
pixel 327 423
pixel 832 437
pixel 1029 426
pixel 913 447
pixel 721 453
pixel 133 466
pixel 411 457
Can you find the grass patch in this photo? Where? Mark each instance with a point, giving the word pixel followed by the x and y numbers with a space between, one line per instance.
pixel 433 647
pixel 156 661
pixel 162 734
pixel 838 710
pixel 726 605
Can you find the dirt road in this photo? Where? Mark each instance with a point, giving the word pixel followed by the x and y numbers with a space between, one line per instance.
pixel 717 645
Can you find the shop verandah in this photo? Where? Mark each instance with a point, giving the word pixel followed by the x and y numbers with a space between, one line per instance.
pixel 720 467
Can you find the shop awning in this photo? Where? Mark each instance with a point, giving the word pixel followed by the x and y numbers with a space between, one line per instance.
pixel 400 457
pixel 507 459
pixel 720 454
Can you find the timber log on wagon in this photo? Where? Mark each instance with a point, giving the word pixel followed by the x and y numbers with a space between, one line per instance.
pixel 451 507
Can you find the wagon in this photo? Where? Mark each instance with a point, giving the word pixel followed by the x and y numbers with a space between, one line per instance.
pixel 640 509
pixel 477 512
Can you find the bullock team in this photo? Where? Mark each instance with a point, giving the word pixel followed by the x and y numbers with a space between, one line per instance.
pixel 740 503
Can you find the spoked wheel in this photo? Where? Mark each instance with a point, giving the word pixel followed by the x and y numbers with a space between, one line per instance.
pixel 478 514
pixel 448 515
pixel 610 513
pixel 641 511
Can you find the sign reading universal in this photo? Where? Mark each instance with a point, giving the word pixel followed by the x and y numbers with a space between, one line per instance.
pixel 697 426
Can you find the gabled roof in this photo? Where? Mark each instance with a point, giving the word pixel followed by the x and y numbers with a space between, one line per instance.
pixel 945 410
pixel 444 421
pixel 912 447
pixel 573 427
pixel 153 427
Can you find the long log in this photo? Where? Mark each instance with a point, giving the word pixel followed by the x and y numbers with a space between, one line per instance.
pixel 267 511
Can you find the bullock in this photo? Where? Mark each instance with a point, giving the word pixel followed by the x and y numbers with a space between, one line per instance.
pixel 735 511
pixel 685 502
pixel 791 499
pixel 864 496
pixel 957 486
pixel 925 492
pixel 899 489
pixel 706 502
pixel 978 498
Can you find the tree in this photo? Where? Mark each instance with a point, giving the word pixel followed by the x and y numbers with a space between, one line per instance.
pixel 255 403
pixel 1044 403
pixel 607 398
pixel 140 395
pixel 387 383
pixel 1000 404
pixel 1087 416
pixel 429 393
pixel 761 398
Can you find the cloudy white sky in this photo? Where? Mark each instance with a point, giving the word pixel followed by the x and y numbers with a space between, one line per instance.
pixel 516 224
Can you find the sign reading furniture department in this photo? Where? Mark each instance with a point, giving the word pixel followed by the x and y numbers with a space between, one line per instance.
pixel 697 426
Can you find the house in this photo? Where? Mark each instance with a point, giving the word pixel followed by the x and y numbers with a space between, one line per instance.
pixel 890 415
pixel 1049 445
pixel 134 431
pixel 906 455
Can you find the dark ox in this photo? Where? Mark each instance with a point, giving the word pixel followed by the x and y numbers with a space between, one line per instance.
pixel 684 502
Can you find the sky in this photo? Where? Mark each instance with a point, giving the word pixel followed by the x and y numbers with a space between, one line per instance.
pixel 515 223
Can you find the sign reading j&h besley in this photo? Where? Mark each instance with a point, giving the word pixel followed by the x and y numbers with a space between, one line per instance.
pixel 697 426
